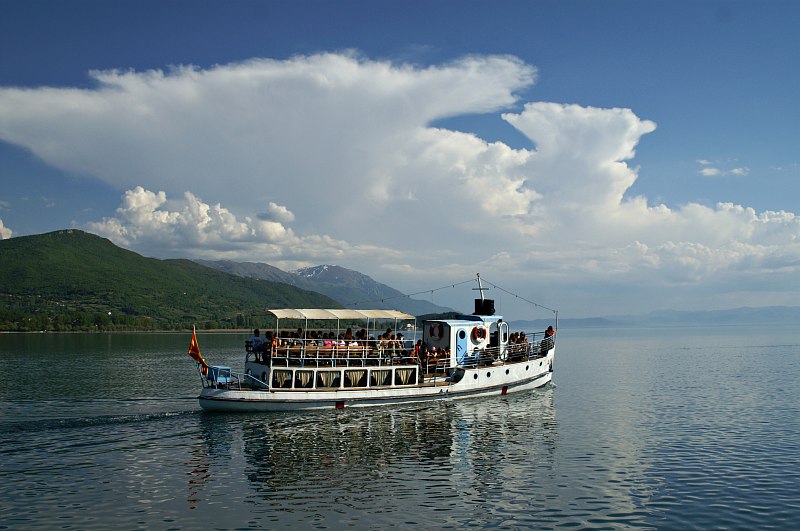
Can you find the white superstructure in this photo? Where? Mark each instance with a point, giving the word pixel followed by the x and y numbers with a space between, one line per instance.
pixel 332 358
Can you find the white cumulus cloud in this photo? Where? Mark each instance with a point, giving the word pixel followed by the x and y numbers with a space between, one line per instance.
pixel 331 158
pixel 712 169
pixel 277 213
pixel 5 232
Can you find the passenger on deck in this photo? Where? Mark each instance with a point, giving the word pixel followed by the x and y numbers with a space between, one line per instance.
pixel 256 339
pixel 433 358
pixel 547 342
pixel 421 352
pixel 259 346
pixel 399 346
pixel 312 339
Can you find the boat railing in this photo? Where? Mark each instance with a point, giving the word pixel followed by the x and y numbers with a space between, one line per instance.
pixel 236 381
pixel 297 353
pixel 534 346
pixel 300 355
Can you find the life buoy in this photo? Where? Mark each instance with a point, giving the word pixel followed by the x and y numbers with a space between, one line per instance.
pixel 436 332
pixel 478 333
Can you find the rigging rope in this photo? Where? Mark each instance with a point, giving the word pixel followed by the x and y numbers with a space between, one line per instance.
pixel 451 286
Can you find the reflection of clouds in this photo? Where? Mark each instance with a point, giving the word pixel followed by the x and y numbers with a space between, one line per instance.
pixel 336 447
pixel 505 451
pixel 416 464
pixel 211 445
pixel 609 414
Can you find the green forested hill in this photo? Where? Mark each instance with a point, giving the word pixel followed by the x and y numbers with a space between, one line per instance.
pixel 73 280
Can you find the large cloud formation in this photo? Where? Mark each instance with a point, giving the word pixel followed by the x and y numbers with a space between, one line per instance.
pixel 332 158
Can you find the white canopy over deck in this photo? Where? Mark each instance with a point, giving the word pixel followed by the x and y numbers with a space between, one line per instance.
pixel 370 317
pixel 334 314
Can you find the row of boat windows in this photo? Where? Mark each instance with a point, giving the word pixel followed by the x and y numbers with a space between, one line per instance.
pixel 348 378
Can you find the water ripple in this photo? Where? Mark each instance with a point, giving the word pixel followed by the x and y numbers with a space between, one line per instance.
pixel 651 435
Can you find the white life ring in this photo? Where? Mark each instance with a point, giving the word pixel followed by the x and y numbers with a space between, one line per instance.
pixel 478 333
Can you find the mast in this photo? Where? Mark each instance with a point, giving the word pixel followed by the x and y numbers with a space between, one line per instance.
pixel 480 287
pixel 483 306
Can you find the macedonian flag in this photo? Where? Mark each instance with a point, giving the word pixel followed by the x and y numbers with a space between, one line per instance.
pixel 194 352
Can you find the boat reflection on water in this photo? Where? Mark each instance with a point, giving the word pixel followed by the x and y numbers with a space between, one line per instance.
pixel 430 451
pixel 213 445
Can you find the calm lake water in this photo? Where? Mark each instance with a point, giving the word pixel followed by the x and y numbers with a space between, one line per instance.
pixel 694 428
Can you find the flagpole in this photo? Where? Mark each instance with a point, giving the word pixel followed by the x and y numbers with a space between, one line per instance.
pixel 194 352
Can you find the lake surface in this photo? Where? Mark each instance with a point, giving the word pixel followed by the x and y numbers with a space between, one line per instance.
pixel 670 428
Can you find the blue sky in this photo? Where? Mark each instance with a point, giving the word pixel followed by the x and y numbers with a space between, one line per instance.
pixel 605 135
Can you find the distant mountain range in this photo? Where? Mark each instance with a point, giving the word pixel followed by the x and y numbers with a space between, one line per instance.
pixel 73 280
pixel 350 288
pixel 744 316
pixel 736 316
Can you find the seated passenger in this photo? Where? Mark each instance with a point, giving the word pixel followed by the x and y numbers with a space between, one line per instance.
pixel 261 346
pixel 256 339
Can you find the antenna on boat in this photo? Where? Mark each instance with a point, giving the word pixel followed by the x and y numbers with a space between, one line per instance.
pixel 483 306
pixel 480 286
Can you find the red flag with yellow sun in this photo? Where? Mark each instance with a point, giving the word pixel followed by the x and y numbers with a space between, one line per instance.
pixel 194 352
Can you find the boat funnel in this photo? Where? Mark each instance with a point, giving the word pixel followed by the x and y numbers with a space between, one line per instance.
pixel 484 307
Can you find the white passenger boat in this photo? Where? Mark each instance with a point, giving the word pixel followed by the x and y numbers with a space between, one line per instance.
pixel 333 358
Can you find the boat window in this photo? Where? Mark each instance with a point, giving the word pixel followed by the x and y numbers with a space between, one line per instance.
pixel 281 378
pixel 355 378
pixel 304 379
pixel 328 378
pixel 380 377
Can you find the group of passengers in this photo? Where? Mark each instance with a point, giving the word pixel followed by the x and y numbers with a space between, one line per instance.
pixel 517 338
pixel 431 357
pixel 518 346
pixel 386 342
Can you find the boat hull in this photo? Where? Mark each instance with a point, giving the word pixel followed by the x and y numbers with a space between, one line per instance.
pixel 477 382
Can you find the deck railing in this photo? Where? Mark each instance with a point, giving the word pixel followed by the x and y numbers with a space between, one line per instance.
pixel 296 353
pixel 300 366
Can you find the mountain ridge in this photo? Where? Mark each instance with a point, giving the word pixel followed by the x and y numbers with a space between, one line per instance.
pixel 70 280
pixel 350 288
pixel 44 284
